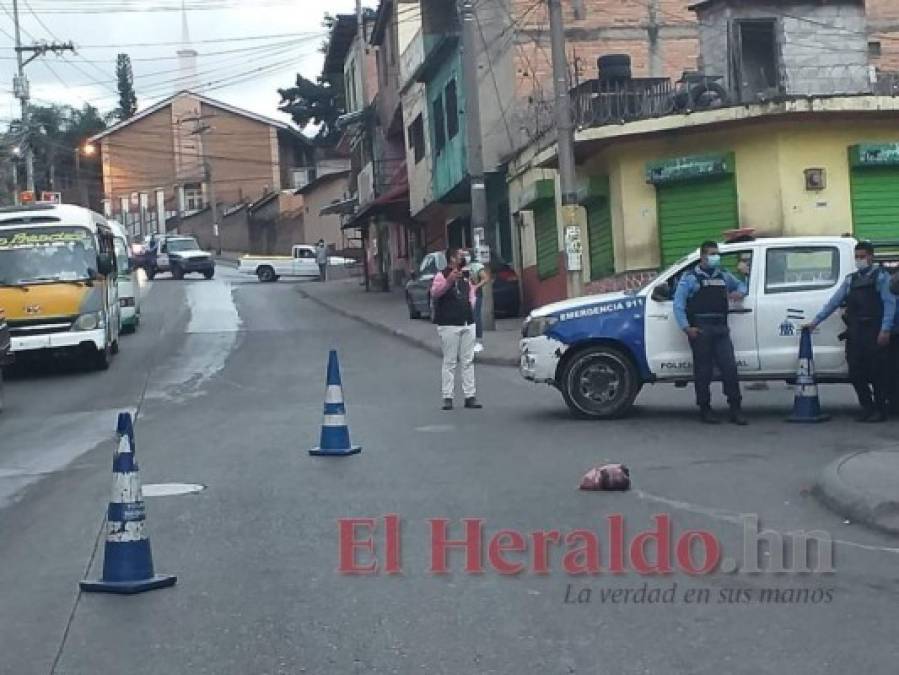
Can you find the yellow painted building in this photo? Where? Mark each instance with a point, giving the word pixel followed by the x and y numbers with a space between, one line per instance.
pixel 654 188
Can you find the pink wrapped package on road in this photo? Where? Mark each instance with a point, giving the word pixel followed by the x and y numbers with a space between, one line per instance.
pixel 607 477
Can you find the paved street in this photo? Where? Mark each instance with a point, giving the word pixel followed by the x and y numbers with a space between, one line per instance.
pixel 227 380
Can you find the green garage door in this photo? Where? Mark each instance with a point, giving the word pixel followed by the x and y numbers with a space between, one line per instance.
pixel 693 211
pixel 599 238
pixel 546 234
pixel 875 202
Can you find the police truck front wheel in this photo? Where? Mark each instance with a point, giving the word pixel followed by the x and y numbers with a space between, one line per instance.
pixel 599 382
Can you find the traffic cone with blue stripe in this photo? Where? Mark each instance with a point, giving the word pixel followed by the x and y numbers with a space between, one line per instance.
pixel 807 406
pixel 335 438
pixel 127 560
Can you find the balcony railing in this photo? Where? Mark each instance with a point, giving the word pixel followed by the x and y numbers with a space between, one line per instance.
pixel 598 102
pixel 887 83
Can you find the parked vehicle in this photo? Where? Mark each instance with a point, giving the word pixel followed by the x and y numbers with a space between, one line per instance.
pixel 140 253
pixel 600 350
pixel 180 255
pixel 301 263
pixel 129 289
pixel 58 281
pixel 506 297
pixel 5 351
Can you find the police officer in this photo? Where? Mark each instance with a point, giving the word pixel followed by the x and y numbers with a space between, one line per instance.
pixel 701 308
pixel 870 310
pixel 894 352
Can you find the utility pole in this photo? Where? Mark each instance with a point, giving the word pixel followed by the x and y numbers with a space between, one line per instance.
pixel 21 88
pixel 213 204
pixel 573 217
pixel 367 227
pixel 475 145
pixel 208 176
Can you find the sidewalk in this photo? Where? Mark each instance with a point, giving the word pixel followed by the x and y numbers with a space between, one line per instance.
pixel 863 488
pixel 388 313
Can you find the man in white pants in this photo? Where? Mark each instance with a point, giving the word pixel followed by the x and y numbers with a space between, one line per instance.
pixel 454 299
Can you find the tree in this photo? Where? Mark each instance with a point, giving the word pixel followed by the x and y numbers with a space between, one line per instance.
pixel 320 102
pixel 56 131
pixel 308 102
pixel 127 97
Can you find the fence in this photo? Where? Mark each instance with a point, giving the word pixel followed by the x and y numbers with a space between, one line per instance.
pixel 600 102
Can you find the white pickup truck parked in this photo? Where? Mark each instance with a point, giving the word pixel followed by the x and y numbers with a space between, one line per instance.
pixel 301 263
pixel 600 350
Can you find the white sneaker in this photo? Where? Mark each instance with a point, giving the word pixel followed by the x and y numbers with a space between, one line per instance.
pixel 478 348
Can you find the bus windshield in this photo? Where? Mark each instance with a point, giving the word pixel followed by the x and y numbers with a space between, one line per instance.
pixel 46 255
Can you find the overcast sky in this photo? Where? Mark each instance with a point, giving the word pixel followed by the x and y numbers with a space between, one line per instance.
pixel 247 77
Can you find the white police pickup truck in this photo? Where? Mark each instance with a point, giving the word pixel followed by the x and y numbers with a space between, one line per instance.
pixel 600 350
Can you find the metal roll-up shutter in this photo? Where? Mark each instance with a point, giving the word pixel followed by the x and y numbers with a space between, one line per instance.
pixel 875 202
pixel 599 238
pixel 547 239
pixel 693 211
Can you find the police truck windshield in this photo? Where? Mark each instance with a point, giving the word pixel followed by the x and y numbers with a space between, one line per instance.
pixel 46 255
pixel 178 245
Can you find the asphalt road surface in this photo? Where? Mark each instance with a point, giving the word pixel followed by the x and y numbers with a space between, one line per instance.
pixel 227 380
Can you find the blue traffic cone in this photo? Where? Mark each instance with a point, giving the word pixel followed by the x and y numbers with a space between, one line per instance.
pixel 127 560
pixel 807 406
pixel 335 438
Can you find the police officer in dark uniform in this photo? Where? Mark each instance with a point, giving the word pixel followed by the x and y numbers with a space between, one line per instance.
pixel 700 308
pixel 894 352
pixel 870 311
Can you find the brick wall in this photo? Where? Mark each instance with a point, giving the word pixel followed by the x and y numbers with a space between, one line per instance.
pixel 626 281
pixel 242 155
pixel 140 157
pixel 234 229
pixel 883 26
pixel 663 46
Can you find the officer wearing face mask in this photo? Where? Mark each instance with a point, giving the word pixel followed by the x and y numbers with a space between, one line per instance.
pixel 870 311
pixel 701 308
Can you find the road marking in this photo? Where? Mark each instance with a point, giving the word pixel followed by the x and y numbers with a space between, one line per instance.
pixel 737 519
pixel 436 428
pixel 171 489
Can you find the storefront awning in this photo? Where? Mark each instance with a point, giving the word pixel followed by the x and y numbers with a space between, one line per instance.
pixel 342 208
pixel 395 198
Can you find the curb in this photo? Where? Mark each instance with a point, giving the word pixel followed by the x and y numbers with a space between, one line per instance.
pixel 876 511
pixel 400 335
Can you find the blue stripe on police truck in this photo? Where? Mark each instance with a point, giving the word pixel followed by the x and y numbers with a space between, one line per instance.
pixel 621 320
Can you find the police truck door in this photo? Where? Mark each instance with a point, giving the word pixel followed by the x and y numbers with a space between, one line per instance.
pixel 667 347
pixel 799 280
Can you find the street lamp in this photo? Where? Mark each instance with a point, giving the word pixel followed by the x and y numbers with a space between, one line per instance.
pixel 88 150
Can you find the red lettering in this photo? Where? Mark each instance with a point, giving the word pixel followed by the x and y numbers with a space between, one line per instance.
pixel 348 545
pixel 616 543
pixel 502 542
pixel 541 550
pixel 440 545
pixel 582 559
pixel 392 539
pixel 661 537
pixel 711 552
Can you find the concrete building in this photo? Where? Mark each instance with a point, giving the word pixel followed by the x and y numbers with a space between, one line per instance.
pixel 769 49
pixel 788 151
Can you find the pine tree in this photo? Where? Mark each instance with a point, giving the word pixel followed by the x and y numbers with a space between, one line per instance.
pixel 127 97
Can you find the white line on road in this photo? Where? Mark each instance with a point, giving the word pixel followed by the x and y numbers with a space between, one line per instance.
pixel 735 518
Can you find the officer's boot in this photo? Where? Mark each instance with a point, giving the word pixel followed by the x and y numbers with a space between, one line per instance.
pixel 707 416
pixel 736 416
